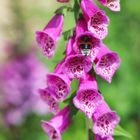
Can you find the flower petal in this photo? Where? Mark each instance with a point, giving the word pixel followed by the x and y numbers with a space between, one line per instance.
pixel 50 34
pixel 113 5
pixel 59 83
pixel 96 19
pixel 76 66
pixel 48 96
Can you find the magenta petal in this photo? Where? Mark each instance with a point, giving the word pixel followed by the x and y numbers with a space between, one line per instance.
pixel 86 43
pixel 49 97
pixel 50 34
pixel 76 66
pixel 105 120
pixel 96 19
pixel 104 125
pixel 69 48
pixel 99 24
pixel 108 63
pixel 87 101
pixel 58 124
pixel 60 84
pixel 87 97
pixel 54 27
pixel 113 5
pixel 53 133
pixel 46 42
pixel 88 83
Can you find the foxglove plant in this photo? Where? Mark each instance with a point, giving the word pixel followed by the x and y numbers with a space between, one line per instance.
pixel 20 79
pixel 85 56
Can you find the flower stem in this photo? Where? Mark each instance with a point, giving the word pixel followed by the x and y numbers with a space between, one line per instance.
pixel 89 124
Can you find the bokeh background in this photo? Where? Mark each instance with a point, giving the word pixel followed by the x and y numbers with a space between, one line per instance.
pixel 19 19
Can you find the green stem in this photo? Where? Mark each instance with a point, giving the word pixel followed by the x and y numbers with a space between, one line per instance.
pixel 89 125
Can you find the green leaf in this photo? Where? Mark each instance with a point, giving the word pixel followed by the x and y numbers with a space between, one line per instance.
pixel 63 10
pixel 76 9
pixel 119 131
pixel 67 34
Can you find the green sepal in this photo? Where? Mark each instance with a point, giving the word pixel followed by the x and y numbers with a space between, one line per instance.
pixel 76 9
pixel 119 131
pixel 63 10
pixel 69 101
pixel 67 34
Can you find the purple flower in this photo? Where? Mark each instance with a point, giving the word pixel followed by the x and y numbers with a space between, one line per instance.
pixel 50 34
pixel 58 124
pixel 21 78
pixel 14 116
pixel 60 84
pixel 113 5
pixel 86 43
pixel 87 97
pixel 97 137
pixel 96 19
pixel 105 120
pixel 50 99
pixel 76 66
pixel 107 63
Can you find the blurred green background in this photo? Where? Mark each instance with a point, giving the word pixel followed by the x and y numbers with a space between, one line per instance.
pixel 123 94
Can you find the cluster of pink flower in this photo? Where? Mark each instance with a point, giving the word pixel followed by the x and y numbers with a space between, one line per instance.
pixel 84 49
pixel 20 79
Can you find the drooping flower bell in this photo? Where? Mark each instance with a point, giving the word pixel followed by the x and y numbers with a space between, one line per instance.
pixel 105 120
pixel 60 84
pixel 58 124
pixel 49 97
pixel 107 63
pixel 87 97
pixel 85 43
pixel 113 5
pixel 96 19
pixel 48 37
pixel 76 66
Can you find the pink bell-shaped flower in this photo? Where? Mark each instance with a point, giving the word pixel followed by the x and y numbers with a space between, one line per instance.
pixel 76 66
pixel 48 37
pixel 85 43
pixel 113 5
pixel 87 97
pixel 107 63
pixel 58 124
pixel 105 120
pixel 96 19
